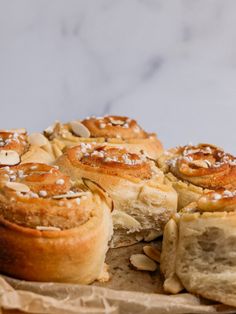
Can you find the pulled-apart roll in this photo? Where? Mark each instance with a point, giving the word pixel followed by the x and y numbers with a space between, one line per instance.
pixel 49 229
pixel 17 147
pixel 143 202
pixel 195 170
pixel 199 248
pixel 110 130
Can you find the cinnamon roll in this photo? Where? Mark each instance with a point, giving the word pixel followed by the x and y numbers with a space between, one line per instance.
pixel 143 202
pixel 199 250
pixel 195 170
pixel 110 130
pixel 51 230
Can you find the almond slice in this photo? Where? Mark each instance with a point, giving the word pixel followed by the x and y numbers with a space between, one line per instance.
pixel 79 129
pixel 124 220
pixel 70 195
pixel 43 228
pixel 117 122
pixel 49 130
pixel 96 188
pixel 173 284
pixel 200 163
pixel 37 139
pixel 142 262
pixel 56 150
pixel 19 187
pixel 152 252
pixel 9 158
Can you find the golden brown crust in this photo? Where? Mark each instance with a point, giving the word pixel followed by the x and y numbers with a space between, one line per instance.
pixel 40 205
pixel 114 127
pixel 220 200
pixel 11 140
pixel 204 166
pixel 49 229
pixel 109 160
pixel 143 203
pixel 73 255
pixel 110 130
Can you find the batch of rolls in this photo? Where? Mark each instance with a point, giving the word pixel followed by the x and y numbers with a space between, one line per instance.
pixel 70 193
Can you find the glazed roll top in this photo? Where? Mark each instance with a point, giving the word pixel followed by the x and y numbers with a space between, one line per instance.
pixel 206 166
pixel 114 161
pixel 51 230
pixel 198 251
pixel 13 144
pixel 114 130
pixel 40 195
pixel 142 201
pixel 200 167
pixel 114 127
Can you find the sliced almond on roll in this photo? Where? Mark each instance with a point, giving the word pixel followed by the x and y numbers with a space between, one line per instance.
pixel 96 188
pixel 79 129
pixel 124 220
pixel 9 158
pixel 200 163
pixel 43 228
pixel 19 187
pixel 56 150
pixel 152 252
pixel 37 139
pixel 69 195
pixel 117 122
pixel 142 262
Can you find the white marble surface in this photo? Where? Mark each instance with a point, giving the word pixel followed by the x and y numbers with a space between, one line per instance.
pixel 169 63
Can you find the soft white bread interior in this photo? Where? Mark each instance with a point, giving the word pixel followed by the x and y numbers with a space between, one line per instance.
pixel 199 249
pixel 143 201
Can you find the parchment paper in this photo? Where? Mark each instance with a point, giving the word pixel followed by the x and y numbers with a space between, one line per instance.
pixel 128 291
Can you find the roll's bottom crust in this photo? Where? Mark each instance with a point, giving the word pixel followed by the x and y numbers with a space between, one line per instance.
pixel 75 255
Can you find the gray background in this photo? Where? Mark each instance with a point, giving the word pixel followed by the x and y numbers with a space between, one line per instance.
pixel 170 64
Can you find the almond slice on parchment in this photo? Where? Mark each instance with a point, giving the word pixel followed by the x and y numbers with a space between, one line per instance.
pixel 142 262
pixel 152 253
pixel 173 284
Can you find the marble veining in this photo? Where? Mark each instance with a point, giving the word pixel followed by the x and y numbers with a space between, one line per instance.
pixel 169 64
